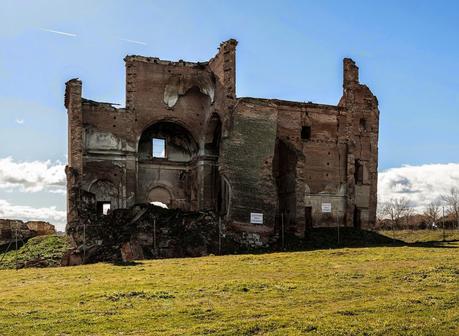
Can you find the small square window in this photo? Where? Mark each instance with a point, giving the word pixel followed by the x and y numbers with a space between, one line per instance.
pixel 103 208
pixel 158 148
pixel 306 133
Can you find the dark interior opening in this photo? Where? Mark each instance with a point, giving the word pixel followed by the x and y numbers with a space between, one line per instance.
pixel 358 174
pixel 363 124
pixel 308 217
pixel 213 135
pixel 306 133
pixel 212 144
pixel 357 219
pixel 284 172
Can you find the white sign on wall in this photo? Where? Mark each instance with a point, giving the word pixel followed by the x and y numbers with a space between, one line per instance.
pixel 256 218
pixel 326 208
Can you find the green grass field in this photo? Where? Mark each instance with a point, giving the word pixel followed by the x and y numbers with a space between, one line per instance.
pixel 42 250
pixel 347 291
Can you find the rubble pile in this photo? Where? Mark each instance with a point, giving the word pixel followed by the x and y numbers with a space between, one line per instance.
pixel 143 231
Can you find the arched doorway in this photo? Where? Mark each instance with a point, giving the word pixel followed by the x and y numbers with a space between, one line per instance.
pixel 161 195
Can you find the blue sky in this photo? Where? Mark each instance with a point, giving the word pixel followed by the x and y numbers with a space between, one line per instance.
pixel 407 53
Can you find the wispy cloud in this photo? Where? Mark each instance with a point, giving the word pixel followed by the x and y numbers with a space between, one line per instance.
pixel 58 32
pixel 419 184
pixel 32 176
pixel 19 121
pixel 25 212
pixel 133 41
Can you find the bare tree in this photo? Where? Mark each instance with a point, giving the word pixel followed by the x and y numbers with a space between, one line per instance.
pixel 396 209
pixel 452 203
pixel 432 212
pixel 380 214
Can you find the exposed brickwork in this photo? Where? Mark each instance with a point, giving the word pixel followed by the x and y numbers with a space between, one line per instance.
pixel 235 156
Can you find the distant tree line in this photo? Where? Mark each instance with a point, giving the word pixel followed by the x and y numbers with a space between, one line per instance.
pixel 399 214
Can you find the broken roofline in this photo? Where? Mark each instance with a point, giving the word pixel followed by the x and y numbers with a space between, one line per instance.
pixel 204 64
pixel 157 60
pixel 286 103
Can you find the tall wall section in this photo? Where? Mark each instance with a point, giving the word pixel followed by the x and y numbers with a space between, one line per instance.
pixel 362 135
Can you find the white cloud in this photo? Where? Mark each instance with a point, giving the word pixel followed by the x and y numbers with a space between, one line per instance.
pixel 20 121
pixel 32 176
pixel 25 212
pixel 419 184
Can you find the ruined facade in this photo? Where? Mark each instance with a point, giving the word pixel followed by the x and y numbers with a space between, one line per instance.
pixel 186 140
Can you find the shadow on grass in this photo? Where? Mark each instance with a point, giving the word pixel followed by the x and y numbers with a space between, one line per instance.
pixel 126 263
pixel 434 243
pixel 323 238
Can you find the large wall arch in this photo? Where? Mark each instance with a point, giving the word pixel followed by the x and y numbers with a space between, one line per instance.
pixel 195 133
pixel 162 194
pixel 181 145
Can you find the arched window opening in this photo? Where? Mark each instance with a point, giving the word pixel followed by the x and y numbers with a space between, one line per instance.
pixel 213 135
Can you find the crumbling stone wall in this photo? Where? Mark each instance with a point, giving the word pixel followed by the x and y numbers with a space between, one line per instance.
pixel 234 156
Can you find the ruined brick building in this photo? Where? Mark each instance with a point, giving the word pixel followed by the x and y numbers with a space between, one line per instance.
pixel 186 140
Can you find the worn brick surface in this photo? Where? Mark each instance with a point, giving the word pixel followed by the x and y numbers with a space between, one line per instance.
pixel 228 154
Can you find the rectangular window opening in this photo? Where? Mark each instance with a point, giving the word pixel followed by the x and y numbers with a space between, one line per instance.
pixel 158 148
pixel 103 208
pixel 306 133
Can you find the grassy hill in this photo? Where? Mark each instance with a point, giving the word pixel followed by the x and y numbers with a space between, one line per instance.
pixel 403 290
pixel 41 251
